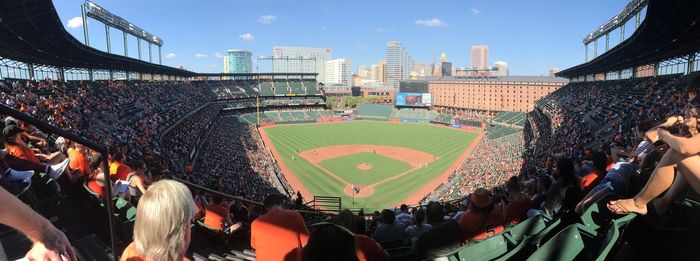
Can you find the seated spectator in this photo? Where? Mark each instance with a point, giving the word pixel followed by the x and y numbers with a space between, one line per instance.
pixel 17 148
pixel 279 234
pixel 564 194
pixel 48 243
pixel 328 241
pixel 78 160
pixel 118 170
pixel 519 204
pixel 240 211
pixel 403 216
pixel 367 248
pixel 388 229
pixel 463 204
pixel 483 218
pixel 217 216
pixel 417 228
pixel 435 213
pixel 162 230
pixel 543 184
pixel 593 172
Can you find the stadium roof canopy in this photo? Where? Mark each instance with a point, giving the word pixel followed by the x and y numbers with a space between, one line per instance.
pixel 31 32
pixel 670 30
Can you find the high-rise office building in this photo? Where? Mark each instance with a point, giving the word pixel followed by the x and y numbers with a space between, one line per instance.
pixel 446 68
pixel 301 60
pixel 339 72
pixel 238 61
pixel 364 71
pixel 421 69
pixel 480 57
pixel 398 64
pixel 501 68
pixel 378 71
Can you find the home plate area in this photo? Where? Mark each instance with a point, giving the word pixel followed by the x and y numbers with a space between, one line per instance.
pixel 362 167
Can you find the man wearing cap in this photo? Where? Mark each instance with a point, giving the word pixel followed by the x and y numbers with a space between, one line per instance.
pixel 483 218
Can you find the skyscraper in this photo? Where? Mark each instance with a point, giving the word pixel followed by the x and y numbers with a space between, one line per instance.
pixel 398 64
pixel 301 60
pixel 339 72
pixel 238 61
pixel 501 68
pixel 378 71
pixel 480 56
pixel 364 71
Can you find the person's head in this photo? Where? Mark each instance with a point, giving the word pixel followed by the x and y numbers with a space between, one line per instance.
pixel 404 208
pixel 436 213
pixel 138 166
pixel 117 156
pixel 531 187
pixel 644 126
pixel 513 186
pixel 419 217
pixel 162 229
pixel 693 87
pixel 11 134
pixel 329 241
pixel 346 219
pixel 273 201
pixel 388 216
pixel 565 171
pixel 481 201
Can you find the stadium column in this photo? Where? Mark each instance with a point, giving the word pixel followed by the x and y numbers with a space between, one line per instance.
pixel 691 63
pixel 622 32
pixel 138 44
pixel 61 74
pixel 636 21
pixel 150 55
pixel 126 46
pixel 585 50
pixel 85 26
pixel 595 48
pixel 30 70
pixel 607 42
pixel 160 55
pixel 109 45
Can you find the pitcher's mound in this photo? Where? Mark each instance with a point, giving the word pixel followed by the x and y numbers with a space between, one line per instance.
pixel 365 191
pixel 364 166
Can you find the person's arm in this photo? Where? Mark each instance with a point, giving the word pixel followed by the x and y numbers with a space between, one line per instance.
pixel 682 145
pixel 652 134
pixel 49 243
pixel 138 183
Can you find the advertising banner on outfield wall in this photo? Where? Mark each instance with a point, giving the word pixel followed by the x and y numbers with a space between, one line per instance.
pixel 456 126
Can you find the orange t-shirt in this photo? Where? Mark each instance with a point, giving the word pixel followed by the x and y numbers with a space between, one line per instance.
pixel 279 235
pixel 22 153
pixel 215 216
pixel 78 161
pixel 474 225
pixel 368 249
pixel 517 210
pixel 118 171
pixel 589 181
pixel 130 254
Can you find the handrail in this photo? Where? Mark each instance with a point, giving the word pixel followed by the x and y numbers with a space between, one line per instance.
pixel 102 149
pixel 228 196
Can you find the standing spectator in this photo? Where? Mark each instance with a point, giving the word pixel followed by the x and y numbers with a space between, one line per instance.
pixel 280 234
pixel 137 180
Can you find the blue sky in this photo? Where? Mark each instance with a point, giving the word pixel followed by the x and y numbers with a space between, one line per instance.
pixel 530 35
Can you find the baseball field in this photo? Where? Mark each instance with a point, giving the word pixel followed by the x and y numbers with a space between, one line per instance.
pixel 383 164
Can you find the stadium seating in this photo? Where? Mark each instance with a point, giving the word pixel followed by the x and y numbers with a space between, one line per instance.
pixel 374 111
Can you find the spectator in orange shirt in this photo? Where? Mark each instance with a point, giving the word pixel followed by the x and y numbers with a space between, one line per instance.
pixel 17 148
pixel 367 248
pixel 217 216
pixel 118 170
pixel 483 218
pixel 78 160
pixel 162 230
pixel 280 234
pixel 519 204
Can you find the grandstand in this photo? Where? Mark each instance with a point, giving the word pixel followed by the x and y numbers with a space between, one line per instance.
pixel 200 129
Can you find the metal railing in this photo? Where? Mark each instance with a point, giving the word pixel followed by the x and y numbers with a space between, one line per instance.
pixel 102 149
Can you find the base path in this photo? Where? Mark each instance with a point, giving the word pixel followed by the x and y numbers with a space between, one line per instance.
pixel 415 158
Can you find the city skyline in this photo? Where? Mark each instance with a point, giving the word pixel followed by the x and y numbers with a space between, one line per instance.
pixel 199 42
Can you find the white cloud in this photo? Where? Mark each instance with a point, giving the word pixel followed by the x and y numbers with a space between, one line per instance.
pixel 385 29
pixel 475 11
pixel 246 37
pixel 170 55
pixel 218 55
pixel 267 19
pixel 431 22
pixel 212 65
pixel 200 55
pixel 75 22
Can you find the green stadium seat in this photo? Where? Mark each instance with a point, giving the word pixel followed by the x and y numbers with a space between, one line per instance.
pixel 486 249
pixel 518 236
pixel 566 245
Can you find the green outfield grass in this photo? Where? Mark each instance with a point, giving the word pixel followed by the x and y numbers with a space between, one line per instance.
pixel 445 143
pixel 382 167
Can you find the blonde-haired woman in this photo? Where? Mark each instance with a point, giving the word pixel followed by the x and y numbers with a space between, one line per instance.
pixel 162 230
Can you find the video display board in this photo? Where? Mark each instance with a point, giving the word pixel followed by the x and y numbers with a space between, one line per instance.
pixel 414 99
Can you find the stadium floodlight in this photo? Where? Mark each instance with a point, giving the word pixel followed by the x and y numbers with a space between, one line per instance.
pixel 100 14
pixel 631 9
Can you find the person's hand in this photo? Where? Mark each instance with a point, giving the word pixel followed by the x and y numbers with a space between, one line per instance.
pixel 671 121
pixel 53 246
pixel 41 143
pixel 663 134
